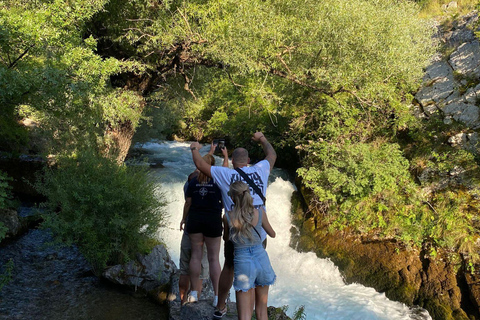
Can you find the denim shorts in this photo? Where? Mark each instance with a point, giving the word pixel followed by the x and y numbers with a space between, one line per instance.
pixel 252 268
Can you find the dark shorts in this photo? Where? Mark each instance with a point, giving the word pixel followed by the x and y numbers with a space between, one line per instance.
pixel 228 252
pixel 209 226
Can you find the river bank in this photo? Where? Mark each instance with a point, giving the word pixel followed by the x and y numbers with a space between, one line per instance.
pixel 52 282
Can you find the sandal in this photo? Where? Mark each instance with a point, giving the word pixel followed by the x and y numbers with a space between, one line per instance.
pixel 219 313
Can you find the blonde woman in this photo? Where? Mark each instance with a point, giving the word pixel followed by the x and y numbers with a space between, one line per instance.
pixel 252 268
pixel 203 207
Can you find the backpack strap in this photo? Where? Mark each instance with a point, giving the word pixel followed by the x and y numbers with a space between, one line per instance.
pixel 251 184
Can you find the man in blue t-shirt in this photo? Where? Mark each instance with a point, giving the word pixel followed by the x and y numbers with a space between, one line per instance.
pixel 223 177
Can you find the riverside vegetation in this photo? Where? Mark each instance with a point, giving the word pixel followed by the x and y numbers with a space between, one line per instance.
pixel 331 82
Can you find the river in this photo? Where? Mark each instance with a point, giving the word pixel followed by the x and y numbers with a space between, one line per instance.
pixel 303 279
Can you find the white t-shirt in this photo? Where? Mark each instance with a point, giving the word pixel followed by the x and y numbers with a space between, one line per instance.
pixel 224 177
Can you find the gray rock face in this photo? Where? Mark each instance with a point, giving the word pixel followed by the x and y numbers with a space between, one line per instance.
pixel 472 95
pixel 151 273
pixel 463 112
pixel 466 59
pixel 453 87
pixel 439 84
pixel 468 141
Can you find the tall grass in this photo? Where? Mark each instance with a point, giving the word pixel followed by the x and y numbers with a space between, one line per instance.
pixel 437 8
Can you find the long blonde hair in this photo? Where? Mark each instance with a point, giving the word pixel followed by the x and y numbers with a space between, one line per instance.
pixel 242 213
pixel 202 178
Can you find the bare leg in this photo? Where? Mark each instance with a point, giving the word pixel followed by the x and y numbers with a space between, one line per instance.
pixel 183 286
pixel 213 252
pixel 226 281
pixel 244 304
pixel 261 301
pixel 195 261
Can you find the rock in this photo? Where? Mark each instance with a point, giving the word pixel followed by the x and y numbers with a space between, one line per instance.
pixel 462 30
pixel 472 95
pixel 456 171
pixel 417 111
pixel 157 165
pixel 455 97
pixel 463 112
pixel 439 84
pixel 201 310
pixel 150 273
pixel 10 220
pixel 459 139
pixel 449 6
pixel 466 59
pixel 430 109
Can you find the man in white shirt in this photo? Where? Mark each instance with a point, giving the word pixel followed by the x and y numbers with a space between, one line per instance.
pixel 223 177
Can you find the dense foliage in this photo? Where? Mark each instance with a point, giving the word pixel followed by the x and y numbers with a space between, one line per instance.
pixel 111 212
pixel 50 73
pixel 5 191
pixel 329 82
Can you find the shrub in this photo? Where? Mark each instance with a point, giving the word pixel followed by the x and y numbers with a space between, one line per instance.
pixel 110 211
pixel 5 191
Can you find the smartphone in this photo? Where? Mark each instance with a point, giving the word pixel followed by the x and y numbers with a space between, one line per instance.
pixel 220 145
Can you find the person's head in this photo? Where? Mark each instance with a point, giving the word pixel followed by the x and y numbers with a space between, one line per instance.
pixel 202 178
pixel 242 212
pixel 240 158
pixel 240 194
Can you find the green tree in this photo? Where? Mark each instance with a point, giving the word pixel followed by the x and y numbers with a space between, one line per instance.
pixel 49 71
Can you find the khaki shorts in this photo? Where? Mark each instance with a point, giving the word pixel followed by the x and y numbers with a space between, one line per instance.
pixel 186 253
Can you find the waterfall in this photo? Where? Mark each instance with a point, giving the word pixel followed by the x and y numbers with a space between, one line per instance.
pixel 303 279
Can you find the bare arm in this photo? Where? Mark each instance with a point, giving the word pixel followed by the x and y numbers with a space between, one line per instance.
pixel 212 149
pixel 225 157
pixel 270 154
pixel 267 226
pixel 226 229
pixel 198 160
pixel 186 208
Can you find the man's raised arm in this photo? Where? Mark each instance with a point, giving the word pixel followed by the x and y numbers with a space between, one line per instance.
pixel 198 160
pixel 270 153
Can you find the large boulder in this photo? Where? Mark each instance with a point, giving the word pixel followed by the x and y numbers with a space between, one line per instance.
pixel 150 273
pixel 10 220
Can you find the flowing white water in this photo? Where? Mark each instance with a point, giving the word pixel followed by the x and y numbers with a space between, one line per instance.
pixel 302 278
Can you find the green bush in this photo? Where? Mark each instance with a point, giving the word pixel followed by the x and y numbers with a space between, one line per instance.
pixel 5 191
pixel 110 211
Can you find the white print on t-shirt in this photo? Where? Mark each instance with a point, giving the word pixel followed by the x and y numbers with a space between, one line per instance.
pixel 203 191
pixel 254 176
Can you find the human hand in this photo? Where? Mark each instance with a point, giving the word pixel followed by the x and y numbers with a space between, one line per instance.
pixel 195 145
pixel 182 225
pixel 225 152
pixel 212 148
pixel 257 136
